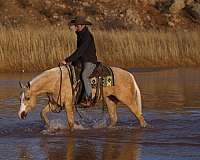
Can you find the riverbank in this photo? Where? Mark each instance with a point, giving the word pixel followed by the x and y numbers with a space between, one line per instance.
pixel 37 49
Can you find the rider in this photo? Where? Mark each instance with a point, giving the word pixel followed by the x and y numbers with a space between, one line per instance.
pixel 85 53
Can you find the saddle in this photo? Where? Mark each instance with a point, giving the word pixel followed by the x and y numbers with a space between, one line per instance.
pixel 101 77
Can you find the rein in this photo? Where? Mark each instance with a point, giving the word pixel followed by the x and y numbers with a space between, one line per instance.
pixel 59 94
pixel 59 98
pixel 98 96
pixel 73 90
pixel 60 107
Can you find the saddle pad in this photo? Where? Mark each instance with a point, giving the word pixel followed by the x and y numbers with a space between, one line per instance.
pixel 101 71
pixel 106 81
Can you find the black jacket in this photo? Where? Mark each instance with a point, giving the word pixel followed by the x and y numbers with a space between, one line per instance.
pixel 86 51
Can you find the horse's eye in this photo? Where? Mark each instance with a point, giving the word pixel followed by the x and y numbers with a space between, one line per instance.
pixel 27 98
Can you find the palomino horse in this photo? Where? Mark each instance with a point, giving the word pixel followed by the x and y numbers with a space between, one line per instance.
pixel 125 90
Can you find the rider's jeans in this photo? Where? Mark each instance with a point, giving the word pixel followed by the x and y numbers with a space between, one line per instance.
pixel 87 71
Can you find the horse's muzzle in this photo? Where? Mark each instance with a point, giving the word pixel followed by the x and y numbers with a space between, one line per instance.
pixel 23 115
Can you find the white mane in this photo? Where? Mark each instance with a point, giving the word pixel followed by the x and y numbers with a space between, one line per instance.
pixel 43 74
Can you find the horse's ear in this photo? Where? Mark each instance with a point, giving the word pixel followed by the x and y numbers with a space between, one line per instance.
pixel 28 85
pixel 21 85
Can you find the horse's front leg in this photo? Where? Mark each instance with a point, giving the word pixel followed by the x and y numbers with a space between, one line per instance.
pixel 43 114
pixel 69 108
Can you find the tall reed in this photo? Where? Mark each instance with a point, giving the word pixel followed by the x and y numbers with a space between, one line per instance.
pixel 30 49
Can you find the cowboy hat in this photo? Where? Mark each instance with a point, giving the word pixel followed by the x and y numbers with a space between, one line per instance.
pixel 79 20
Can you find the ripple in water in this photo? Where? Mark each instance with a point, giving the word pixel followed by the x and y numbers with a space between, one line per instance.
pixel 58 125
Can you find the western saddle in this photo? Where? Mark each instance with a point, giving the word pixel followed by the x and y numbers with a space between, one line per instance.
pixel 101 77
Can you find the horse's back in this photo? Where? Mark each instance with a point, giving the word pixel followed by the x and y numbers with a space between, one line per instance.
pixel 122 76
pixel 123 82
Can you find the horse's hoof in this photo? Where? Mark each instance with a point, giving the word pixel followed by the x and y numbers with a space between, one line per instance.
pixel 111 126
pixel 71 129
pixel 147 126
pixel 47 126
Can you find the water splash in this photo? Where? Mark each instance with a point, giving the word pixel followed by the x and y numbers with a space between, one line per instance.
pixel 88 121
pixel 54 126
pixel 79 127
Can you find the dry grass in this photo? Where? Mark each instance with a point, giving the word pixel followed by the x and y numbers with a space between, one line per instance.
pixel 28 49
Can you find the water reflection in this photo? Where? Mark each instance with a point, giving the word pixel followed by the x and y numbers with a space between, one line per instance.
pixel 128 149
pixel 171 100
pixel 113 145
pixel 24 153
pixel 171 89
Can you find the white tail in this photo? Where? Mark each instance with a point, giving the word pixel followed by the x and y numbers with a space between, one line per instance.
pixel 138 94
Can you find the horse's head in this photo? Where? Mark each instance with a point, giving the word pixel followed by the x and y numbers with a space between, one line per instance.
pixel 27 99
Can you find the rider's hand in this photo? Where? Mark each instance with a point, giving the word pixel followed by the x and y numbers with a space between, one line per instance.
pixel 63 63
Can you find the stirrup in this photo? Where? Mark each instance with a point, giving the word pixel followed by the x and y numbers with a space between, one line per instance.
pixel 88 103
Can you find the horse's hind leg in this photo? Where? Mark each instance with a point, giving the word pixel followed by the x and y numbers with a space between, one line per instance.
pixel 111 104
pixel 43 114
pixel 134 107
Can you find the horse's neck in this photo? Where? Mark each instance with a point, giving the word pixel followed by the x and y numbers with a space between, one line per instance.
pixel 45 82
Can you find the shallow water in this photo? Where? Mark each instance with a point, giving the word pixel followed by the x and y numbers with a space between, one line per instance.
pixel 171 102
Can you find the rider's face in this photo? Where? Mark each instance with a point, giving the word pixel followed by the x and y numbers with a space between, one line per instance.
pixel 79 28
